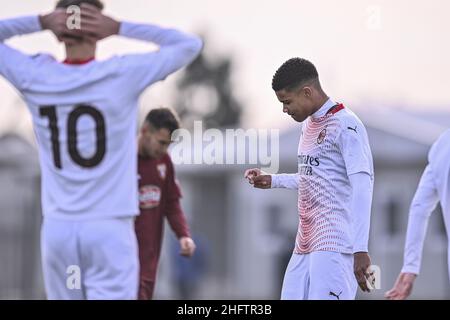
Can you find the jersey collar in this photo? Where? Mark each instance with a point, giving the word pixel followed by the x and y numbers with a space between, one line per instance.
pixel 323 109
pixel 78 62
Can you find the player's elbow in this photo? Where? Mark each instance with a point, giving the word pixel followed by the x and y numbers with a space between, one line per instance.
pixel 187 52
pixel 194 46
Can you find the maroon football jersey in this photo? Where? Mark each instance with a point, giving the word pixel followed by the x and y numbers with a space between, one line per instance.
pixel 159 197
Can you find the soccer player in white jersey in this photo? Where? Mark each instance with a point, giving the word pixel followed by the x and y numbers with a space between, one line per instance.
pixel 84 113
pixel 334 183
pixel 434 187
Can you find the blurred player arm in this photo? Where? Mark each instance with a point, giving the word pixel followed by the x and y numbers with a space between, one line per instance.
pixel 424 202
pixel 176 50
pixel 175 215
pixel 15 66
pixel 13 63
pixel 19 26
pixel 177 221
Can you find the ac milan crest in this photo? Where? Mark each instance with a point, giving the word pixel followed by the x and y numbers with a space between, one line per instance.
pixel 321 136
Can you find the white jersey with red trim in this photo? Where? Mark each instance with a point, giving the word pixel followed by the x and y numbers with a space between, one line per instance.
pixel 333 146
pixel 85 117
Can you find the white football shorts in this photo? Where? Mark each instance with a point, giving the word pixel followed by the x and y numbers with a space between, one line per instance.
pixel 319 275
pixel 92 259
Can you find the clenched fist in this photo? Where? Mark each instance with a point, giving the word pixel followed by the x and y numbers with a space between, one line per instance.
pixel 187 246
pixel 259 179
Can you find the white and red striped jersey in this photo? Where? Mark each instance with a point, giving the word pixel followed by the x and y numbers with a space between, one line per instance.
pixel 333 145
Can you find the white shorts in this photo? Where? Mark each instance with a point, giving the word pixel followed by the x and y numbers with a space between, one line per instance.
pixel 319 275
pixel 95 259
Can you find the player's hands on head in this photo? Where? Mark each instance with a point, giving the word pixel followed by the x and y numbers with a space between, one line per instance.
pixel 95 24
pixel 187 246
pixel 56 22
pixel 402 287
pixel 258 178
pixel 362 270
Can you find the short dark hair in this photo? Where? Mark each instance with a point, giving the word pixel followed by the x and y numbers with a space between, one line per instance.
pixel 163 118
pixel 292 73
pixel 68 3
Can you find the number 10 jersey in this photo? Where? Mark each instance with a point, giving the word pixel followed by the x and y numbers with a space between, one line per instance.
pixel 85 116
pixel 86 129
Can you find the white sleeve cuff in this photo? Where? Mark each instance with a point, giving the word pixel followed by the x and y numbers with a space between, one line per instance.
pixel 275 181
pixel 285 180
pixel 410 269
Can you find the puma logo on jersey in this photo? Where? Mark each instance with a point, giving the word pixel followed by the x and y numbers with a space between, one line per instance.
pixel 354 129
pixel 335 295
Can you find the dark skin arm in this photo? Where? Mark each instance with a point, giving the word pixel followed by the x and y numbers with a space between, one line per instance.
pixel 362 263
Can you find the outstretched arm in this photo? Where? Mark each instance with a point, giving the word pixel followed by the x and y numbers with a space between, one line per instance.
pixel 262 180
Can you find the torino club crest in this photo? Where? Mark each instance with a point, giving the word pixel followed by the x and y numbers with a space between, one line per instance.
pixel 162 170
pixel 321 136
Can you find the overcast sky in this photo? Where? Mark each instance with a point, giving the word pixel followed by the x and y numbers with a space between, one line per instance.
pixel 367 52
